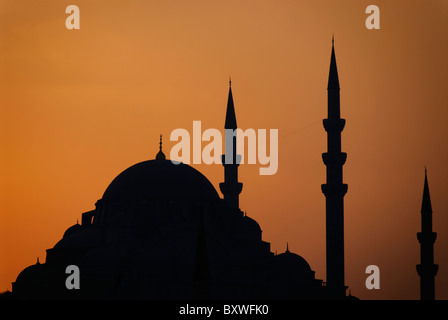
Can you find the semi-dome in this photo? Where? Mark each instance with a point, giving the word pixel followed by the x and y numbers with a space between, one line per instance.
pixel 160 178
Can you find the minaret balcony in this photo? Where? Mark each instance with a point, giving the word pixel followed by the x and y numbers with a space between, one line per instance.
pixel 231 188
pixel 235 161
pixel 338 190
pixel 427 269
pixel 338 158
pixel 334 125
pixel 426 237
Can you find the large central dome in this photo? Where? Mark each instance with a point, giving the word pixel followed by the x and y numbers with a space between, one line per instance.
pixel 160 179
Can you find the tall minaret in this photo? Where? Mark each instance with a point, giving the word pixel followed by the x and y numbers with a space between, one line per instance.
pixel 231 188
pixel 334 190
pixel 427 270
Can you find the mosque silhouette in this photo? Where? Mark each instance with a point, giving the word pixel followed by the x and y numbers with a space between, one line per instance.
pixel 161 231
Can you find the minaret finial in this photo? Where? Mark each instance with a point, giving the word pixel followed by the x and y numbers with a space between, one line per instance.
pixel 160 144
pixel 333 78
pixel 160 155
pixel 230 81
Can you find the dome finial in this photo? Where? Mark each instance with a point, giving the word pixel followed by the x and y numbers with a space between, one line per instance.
pixel 160 155
pixel 287 247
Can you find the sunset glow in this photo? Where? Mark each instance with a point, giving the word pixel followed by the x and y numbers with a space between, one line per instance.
pixel 80 106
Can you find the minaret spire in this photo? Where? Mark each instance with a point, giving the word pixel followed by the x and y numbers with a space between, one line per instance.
pixel 333 79
pixel 334 189
pixel 426 202
pixel 231 188
pixel 427 270
pixel 230 112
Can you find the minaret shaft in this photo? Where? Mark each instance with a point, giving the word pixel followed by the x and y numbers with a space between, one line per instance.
pixel 334 190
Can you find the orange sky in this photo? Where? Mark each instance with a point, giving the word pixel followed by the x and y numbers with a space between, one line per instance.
pixel 77 107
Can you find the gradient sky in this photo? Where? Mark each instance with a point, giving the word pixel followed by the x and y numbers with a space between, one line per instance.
pixel 77 107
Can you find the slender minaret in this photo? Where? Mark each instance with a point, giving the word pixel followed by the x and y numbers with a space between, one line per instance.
pixel 231 188
pixel 427 270
pixel 334 190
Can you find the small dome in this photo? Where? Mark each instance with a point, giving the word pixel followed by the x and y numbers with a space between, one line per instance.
pixel 80 237
pixel 289 261
pixel 289 257
pixel 251 228
pixel 73 229
pixel 160 155
pixel 32 273
pixel 251 223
